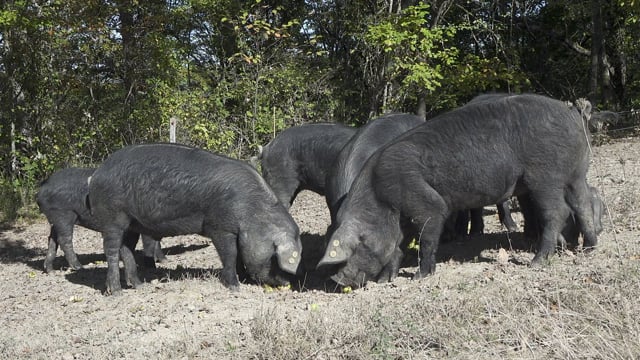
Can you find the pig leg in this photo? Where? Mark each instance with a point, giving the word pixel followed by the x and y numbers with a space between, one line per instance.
pixel 477 223
pixel 428 245
pixel 552 213
pixel 428 213
pixel 390 271
pixel 569 234
pixel 597 206
pixel 66 244
pixel 62 235
pixel 127 251
pixel 112 241
pixel 152 252
pixel 461 225
pixel 579 199
pixel 158 254
pixel 130 240
pixel 456 227
pixel 226 245
pixel 504 214
pixel 531 225
pixel 51 251
pixel 130 267
pixel 241 270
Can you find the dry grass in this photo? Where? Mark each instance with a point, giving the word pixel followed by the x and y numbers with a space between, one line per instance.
pixel 564 312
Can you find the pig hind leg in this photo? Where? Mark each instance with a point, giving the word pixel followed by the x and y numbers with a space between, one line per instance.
pixel 112 242
pixel 551 212
pixel 62 235
pixel 578 197
pixel 152 251
pixel 241 270
pixel 504 214
pixel 51 251
pixel 428 213
pixel 390 271
pixel 462 228
pixel 477 223
pixel 531 223
pixel 158 254
pixel 130 267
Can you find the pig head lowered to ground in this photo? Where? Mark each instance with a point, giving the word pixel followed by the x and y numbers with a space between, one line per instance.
pixel 473 156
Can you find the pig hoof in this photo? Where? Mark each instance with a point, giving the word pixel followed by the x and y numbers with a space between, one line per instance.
pixel 76 266
pixel 136 283
pixel 229 279
pixel 231 285
pixel 424 271
pixel 419 275
pixel 141 285
pixel 539 262
pixel 110 292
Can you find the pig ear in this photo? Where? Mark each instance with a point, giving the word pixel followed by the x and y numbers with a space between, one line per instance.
pixel 288 256
pixel 337 252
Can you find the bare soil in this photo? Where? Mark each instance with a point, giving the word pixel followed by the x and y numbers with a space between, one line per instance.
pixel 483 302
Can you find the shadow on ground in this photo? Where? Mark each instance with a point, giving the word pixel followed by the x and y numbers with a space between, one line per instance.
pixel 469 249
pixel 96 277
pixel 16 251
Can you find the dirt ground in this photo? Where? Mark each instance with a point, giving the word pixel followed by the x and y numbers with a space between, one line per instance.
pixel 483 302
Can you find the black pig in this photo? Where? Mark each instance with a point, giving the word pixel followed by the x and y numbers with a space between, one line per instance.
pixel 470 157
pixel 300 157
pixel 368 138
pixel 62 199
pixel 168 189
pixel 568 237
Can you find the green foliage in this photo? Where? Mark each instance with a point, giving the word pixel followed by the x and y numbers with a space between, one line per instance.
pixel 10 202
pixel 81 79
pixel 473 75
pixel 427 60
pixel 419 52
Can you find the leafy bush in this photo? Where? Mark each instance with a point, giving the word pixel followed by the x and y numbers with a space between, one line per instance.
pixel 9 201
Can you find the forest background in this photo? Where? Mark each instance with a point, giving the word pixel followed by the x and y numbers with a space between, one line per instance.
pixel 82 78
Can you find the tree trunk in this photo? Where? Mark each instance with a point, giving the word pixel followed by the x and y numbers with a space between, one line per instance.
pixel 422 105
pixel 127 31
pixel 596 52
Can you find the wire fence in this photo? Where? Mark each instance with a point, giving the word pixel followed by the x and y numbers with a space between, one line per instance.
pixel 615 124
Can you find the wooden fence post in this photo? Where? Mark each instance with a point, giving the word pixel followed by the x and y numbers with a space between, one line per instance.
pixel 173 121
pixel 14 160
